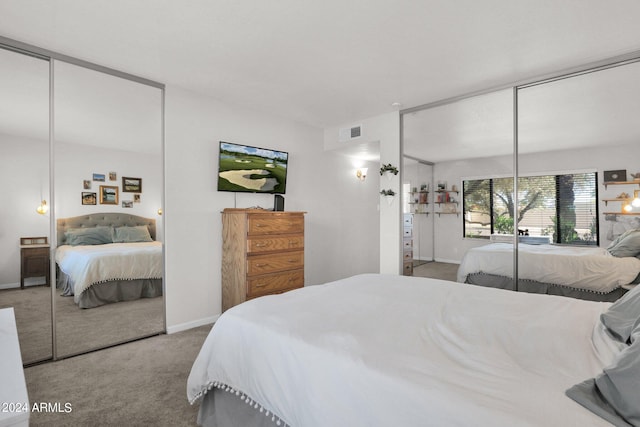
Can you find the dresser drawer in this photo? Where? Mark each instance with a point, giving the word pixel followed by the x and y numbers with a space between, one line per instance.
pixel 272 224
pixel 263 264
pixel 274 283
pixel 268 244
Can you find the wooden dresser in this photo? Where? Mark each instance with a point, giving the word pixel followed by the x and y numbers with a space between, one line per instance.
pixel 262 254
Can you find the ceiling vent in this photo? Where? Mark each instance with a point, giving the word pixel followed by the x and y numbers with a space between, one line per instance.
pixel 348 134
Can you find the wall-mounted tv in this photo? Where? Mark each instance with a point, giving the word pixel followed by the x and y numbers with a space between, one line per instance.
pixel 243 168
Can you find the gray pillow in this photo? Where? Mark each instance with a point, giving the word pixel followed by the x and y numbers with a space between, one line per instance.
pixel 626 245
pixel 624 315
pixel 619 384
pixel 88 236
pixel 138 233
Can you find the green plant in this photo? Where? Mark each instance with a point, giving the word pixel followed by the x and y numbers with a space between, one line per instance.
pixel 388 192
pixel 388 168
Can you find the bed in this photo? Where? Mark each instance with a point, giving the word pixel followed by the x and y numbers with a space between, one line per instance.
pixel 590 273
pixel 108 257
pixel 382 350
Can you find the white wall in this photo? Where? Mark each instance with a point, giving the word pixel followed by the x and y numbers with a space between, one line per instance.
pixel 450 246
pixel 25 181
pixel 75 163
pixel 384 131
pixel 341 225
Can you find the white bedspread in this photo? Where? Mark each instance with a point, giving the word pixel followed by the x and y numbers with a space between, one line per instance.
pixel 590 268
pixel 88 265
pixel 379 350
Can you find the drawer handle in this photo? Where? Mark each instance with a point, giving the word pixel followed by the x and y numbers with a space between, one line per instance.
pixel 260 245
pixel 259 225
pixel 293 243
pixel 262 265
pixel 261 285
pixel 292 261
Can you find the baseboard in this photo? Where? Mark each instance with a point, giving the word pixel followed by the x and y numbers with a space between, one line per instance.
pixel 193 324
pixel 30 281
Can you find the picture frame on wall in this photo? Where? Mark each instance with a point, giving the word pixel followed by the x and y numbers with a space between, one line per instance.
pixel 86 184
pixel 88 198
pixel 131 185
pixel 127 203
pixel 98 177
pixel 108 195
pixel 113 176
pixel 619 175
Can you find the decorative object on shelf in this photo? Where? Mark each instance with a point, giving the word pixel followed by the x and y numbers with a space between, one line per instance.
pixel 454 188
pixel 43 208
pixel 615 175
pixel 442 185
pixel 635 176
pixel 388 168
pixel 636 199
pixel 361 173
pixel 622 195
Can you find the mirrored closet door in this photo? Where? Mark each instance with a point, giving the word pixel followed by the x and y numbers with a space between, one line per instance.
pixel 109 184
pixel 25 284
pixel 578 144
pixel 468 144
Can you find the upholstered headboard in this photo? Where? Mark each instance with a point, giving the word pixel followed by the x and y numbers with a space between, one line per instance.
pixel 105 219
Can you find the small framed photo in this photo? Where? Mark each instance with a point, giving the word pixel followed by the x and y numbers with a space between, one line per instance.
pixel 86 184
pixel 136 198
pixel 98 177
pixel 127 203
pixel 131 185
pixel 108 195
pixel 113 176
pixel 615 176
pixel 442 185
pixel 88 198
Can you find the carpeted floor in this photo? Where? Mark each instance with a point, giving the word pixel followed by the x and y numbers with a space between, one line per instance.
pixel 142 383
pixel 437 270
pixel 77 330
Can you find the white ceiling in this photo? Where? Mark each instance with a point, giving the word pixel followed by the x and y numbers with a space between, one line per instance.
pixel 330 62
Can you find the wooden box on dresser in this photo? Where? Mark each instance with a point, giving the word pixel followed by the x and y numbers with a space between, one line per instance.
pixel 262 254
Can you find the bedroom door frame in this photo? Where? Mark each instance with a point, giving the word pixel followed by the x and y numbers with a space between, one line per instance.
pixel 52 57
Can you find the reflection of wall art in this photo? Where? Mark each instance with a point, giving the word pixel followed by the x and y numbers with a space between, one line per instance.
pixel 615 176
pixel 442 185
pixel 131 185
pixel 113 176
pixel 127 204
pixel 108 195
pixel 86 184
pixel 98 177
pixel 136 198
pixel 88 198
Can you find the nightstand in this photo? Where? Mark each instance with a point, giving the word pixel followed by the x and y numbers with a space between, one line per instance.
pixel 34 259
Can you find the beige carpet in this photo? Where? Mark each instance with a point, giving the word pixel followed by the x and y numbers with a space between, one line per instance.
pixel 437 270
pixel 142 383
pixel 78 330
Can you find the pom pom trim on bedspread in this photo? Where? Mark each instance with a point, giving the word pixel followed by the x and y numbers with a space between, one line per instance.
pixel 243 396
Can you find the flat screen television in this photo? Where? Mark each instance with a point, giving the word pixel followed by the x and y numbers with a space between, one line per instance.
pixel 243 168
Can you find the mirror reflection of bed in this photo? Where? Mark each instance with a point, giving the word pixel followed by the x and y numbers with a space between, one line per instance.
pixel 568 129
pixel 109 280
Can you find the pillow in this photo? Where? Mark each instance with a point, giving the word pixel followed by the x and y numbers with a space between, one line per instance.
pixel 88 236
pixel 618 383
pixel 139 233
pixel 613 395
pixel 626 245
pixel 624 315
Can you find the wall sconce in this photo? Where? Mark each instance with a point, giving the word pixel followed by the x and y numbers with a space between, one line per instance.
pixel 43 208
pixel 361 174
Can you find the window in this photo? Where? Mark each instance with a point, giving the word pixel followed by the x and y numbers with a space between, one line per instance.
pixel 563 207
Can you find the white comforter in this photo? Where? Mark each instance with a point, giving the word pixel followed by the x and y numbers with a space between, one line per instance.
pixel 588 268
pixel 378 350
pixel 88 265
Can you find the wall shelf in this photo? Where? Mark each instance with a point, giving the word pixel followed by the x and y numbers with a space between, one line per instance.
pixel 620 183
